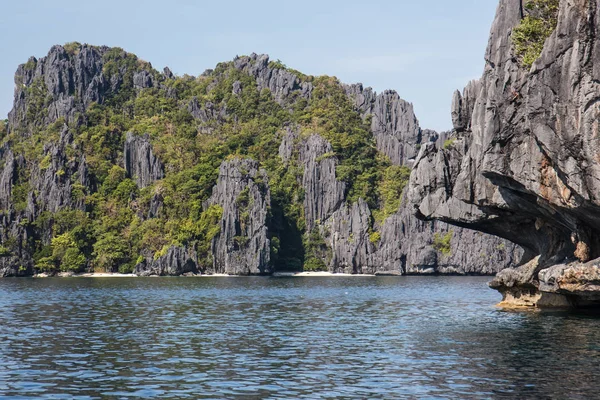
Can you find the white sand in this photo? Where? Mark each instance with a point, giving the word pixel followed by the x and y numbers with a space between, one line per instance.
pixel 276 274
pixel 312 274
pixel 103 275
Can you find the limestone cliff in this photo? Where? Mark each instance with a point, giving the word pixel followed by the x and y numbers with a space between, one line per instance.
pixel 108 165
pixel 393 123
pixel 242 245
pixel 402 243
pixel 523 162
pixel 140 161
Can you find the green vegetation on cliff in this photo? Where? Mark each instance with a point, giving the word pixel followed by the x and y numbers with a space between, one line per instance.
pixel 531 34
pixel 442 243
pixel 194 124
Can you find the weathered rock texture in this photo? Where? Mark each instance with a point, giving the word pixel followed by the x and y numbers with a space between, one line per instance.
pixel 347 234
pixel 406 244
pixel 525 163
pixel 140 162
pixel 462 106
pixel 178 261
pixel 399 136
pixel 393 123
pixel 281 82
pixel 468 251
pixel 323 193
pixel 58 91
pixel 73 81
pixel 242 247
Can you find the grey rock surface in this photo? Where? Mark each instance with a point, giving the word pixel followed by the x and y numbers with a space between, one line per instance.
pixel 393 123
pixel 281 82
pixel 14 236
pixel 53 183
pixel 75 77
pixel 178 261
pixel 242 247
pixel 323 193
pixel 7 179
pixel 140 162
pixel 207 112
pixel 463 105
pixel 406 244
pixel 73 80
pixel 526 168
pixel 347 234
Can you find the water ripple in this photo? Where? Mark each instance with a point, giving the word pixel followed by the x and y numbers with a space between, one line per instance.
pixel 396 337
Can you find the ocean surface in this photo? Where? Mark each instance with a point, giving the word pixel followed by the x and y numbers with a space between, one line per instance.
pixel 330 337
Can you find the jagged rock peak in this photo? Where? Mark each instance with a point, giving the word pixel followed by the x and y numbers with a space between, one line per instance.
pixel 463 105
pixel 69 79
pixel 393 122
pixel 273 76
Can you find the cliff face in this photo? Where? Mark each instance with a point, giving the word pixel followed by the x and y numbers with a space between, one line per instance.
pixel 178 261
pixel 242 246
pixel 249 168
pixel 393 123
pixel 402 244
pixel 523 164
pixel 279 81
pixel 407 244
pixel 140 161
pixel 436 247
pixel 323 193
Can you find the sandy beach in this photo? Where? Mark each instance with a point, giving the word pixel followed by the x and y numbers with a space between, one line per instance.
pixel 313 274
pixel 276 274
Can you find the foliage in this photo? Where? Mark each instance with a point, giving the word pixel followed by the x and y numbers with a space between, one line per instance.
pixel 30 65
pixel 46 162
pixel 277 65
pixel 112 226
pixel 317 252
pixel 37 101
pixel 390 190
pixel 110 251
pixel 208 227
pixel 3 128
pixel 243 199
pixel 442 243
pixel 4 252
pixel 375 237
pixel 19 195
pixel 530 35
pixel 72 48
pixel 65 255
pixel 331 114
pixel 449 143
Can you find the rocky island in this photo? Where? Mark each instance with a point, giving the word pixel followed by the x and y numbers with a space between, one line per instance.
pixel 524 159
pixel 251 168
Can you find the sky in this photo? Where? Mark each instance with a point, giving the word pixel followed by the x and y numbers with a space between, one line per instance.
pixel 422 49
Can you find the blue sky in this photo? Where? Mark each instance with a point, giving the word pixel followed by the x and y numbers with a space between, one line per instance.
pixel 422 49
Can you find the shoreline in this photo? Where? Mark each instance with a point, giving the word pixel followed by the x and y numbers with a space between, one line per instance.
pixel 303 274
pixel 275 275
